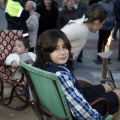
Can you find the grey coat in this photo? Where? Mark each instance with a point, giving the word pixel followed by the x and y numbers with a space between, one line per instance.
pixel 108 5
pixel 33 24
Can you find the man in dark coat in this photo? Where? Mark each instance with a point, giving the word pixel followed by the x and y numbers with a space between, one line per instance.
pixel 48 11
pixel 117 15
pixel 16 16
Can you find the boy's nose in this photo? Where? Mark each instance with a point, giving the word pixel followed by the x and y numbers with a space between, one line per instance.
pixel 62 51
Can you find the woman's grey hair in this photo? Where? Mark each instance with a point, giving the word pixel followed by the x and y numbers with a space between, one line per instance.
pixel 33 4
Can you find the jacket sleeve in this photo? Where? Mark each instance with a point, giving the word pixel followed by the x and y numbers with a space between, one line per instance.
pixel 60 20
pixel 25 14
pixel 12 57
pixel 117 10
pixel 79 107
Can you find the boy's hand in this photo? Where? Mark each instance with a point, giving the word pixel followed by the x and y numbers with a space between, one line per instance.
pixel 14 64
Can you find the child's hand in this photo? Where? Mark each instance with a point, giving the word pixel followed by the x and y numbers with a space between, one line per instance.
pixel 14 64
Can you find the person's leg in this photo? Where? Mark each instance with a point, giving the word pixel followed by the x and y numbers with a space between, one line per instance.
pixel 113 101
pixel 70 65
pixel 115 31
pixel 79 59
pixel 100 44
pixel 95 90
pixel 103 91
pixel 107 87
pixel 117 91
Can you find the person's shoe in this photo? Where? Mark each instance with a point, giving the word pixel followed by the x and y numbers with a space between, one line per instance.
pixel 71 68
pixel 114 38
pixel 99 59
pixel 70 65
pixel 109 59
pixel 79 60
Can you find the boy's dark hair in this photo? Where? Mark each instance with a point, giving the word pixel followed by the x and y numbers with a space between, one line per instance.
pixel 25 41
pixel 46 44
pixel 95 12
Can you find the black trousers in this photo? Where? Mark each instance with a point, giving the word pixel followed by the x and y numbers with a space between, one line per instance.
pixel 80 54
pixel 102 41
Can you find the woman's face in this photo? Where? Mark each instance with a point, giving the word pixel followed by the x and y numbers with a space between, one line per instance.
pixel 28 6
pixel 70 4
pixel 47 3
pixel 61 54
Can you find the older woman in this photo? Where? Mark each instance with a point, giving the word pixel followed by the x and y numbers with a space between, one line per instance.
pixel 32 22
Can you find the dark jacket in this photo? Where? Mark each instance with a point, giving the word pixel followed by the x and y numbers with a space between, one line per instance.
pixel 93 1
pixel 17 23
pixel 117 10
pixel 82 7
pixel 47 18
pixel 65 15
pixel 110 21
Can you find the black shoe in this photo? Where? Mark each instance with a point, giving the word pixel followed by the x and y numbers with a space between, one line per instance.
pixel 114 38
pixel 109 59
pixel 71 68
pixel 79 60
pixel 99 59
pixel 70 65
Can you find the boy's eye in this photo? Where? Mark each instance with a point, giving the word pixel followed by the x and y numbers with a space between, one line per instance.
pixel 64 46
pixel 57 48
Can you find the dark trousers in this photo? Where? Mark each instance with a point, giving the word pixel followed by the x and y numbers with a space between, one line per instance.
pixel 80 54
pixel 117 26
pixel 102 41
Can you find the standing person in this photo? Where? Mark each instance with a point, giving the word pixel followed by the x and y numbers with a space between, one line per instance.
pixel 80 9
pixel 78 30
pixel 107 27
pixel 53 51
pixel 16 16
pixel 66 14
pixel 48 10
pixel 117 15
pixel 32 23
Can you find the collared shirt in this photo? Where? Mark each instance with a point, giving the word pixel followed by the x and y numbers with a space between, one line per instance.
pixel 79 107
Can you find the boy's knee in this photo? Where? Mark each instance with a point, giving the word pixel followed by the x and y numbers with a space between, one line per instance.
pixel 117 91
pixel 107 87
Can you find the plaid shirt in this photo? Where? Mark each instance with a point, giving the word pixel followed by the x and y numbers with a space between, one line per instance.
pixel 79 107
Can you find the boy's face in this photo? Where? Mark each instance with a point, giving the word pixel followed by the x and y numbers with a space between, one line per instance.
pixel 61 54
pixel 19 47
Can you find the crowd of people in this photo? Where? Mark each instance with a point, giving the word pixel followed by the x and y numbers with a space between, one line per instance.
pixel 36 16
pixel 58 37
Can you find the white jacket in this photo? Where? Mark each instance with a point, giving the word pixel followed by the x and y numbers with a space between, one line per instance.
pixel 77 35
pixel 26 57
